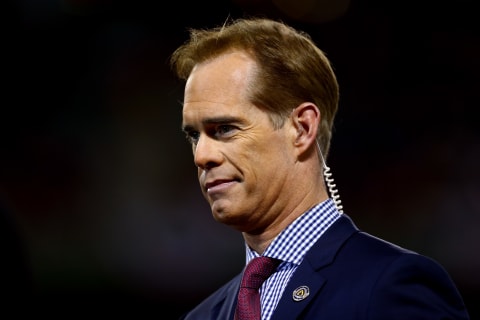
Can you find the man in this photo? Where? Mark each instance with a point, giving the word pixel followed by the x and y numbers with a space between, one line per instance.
pixel 259 104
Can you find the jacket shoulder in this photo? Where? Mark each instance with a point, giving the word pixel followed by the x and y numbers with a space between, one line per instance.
pixel 218 305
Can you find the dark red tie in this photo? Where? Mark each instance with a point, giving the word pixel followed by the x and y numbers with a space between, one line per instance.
pixel 256 272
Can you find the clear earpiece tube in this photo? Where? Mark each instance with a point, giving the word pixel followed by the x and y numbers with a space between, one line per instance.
pixel 330 182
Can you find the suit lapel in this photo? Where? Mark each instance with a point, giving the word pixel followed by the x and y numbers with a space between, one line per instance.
pixel 225 308
pixel 308 276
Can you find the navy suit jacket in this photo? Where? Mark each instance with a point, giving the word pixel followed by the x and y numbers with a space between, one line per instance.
pixel 354 275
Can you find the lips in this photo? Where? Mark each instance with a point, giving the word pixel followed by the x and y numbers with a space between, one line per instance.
pixel 212 184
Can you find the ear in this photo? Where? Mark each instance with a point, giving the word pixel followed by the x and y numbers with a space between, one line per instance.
pixel 306 119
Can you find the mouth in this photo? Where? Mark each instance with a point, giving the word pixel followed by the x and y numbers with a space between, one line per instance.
pixel 218 185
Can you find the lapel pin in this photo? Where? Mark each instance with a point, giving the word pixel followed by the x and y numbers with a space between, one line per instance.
pixel 301 293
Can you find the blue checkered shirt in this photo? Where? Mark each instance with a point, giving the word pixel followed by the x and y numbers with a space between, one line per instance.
pixel 290 246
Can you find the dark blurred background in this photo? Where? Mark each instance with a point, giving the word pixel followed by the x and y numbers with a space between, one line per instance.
pixel 101 212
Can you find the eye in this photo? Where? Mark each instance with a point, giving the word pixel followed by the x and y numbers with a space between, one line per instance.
pixel 224 129
pixel 192 136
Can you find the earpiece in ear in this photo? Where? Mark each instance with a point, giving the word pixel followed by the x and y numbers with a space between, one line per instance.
pixel 299 128
pixel 300 131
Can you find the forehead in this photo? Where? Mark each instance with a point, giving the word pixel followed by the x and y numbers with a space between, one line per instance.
pixel 219 86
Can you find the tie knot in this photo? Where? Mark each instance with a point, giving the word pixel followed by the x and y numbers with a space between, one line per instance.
pixel 257 271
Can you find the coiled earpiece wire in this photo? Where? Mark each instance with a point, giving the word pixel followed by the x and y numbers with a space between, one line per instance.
pixel 332 187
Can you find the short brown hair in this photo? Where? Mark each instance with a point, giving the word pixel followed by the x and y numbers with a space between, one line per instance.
pixel 292 69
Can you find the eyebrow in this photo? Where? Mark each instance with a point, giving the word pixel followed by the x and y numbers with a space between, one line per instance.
pixel 215 120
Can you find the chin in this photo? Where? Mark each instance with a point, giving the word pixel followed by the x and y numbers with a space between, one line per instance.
pixel 221 216
pixel 225 217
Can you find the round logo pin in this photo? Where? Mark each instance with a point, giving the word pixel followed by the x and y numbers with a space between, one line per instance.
pixel 301 293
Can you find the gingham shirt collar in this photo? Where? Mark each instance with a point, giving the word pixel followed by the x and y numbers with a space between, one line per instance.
pixel 293 242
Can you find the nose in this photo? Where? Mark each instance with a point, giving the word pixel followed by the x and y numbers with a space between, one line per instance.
pixel 206 153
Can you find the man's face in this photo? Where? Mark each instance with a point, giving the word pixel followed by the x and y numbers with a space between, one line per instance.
pixel 243 162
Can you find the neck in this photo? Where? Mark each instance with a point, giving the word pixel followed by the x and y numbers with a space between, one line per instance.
pixel 260 241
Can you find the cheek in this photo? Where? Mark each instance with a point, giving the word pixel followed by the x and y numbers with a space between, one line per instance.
pixel 199 178
pixel 256 150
